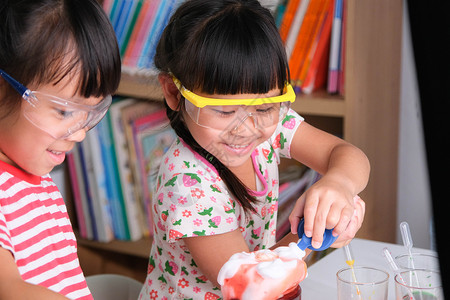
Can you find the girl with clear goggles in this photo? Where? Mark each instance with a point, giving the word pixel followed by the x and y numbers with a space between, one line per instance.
pixel 58 117
pixel 230 114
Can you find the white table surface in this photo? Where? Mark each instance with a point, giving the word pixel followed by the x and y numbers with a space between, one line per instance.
pixel 321 281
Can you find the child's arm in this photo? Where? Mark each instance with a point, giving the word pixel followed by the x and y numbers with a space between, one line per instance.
pixel 12 286
pixel 210 253
pixel 329 202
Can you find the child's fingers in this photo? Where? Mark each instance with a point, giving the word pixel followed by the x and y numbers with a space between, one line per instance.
pixel 310 215
pixel 296 214
pixel 354 225
pixel 345 216
pixel 320 223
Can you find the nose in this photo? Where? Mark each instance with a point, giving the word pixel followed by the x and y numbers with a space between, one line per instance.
pixel 247 123
pixel 78 135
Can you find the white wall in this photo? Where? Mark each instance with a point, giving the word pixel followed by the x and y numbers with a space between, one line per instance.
pixel 414 197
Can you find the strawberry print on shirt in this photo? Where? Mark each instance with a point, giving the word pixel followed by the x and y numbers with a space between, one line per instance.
pixel 192 200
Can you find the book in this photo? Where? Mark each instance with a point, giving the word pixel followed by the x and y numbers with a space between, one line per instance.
pixel 128 115
pixel 317 72
pixel 113 187
pixel 122 18
pixel 288 18
pixel 163 14
pixel 295 28
pixel 341 74
pixel 78 192
pixel 153 136
pixel 116 11
pixel 333 67
pixel 305 38
pixel 123 166
pixel 316 36
pixel 97 178
pixel 88 208
pixel 140 33
pixel 129 25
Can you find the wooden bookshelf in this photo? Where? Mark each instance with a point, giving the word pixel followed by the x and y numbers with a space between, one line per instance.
pixel 139 248
pixel 367 115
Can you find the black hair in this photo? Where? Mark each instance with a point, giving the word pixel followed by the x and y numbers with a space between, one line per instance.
pixel 42 41
pixel 222 47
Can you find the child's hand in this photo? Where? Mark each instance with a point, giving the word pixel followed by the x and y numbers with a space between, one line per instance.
pixel 354 225
pixel 328 204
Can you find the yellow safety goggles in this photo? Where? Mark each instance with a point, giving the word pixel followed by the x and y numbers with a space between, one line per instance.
pixel 200 101
pixel 231 114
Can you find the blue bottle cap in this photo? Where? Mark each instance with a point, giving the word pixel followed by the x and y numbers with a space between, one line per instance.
pixel 305 242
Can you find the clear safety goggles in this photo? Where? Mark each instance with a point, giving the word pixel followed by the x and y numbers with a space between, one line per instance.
pixel 230 114
pixel 58 117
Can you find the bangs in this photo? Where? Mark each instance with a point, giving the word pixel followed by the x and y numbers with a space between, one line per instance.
pixel 238 54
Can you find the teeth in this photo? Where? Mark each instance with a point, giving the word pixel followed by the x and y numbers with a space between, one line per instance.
pixel 56 152
pixel 238 146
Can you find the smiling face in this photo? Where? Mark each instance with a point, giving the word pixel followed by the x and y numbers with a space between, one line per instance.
pixel 24 145
pixel 233 145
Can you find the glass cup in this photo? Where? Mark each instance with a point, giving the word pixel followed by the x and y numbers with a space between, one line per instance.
pixel 418 285
pixel 418 261
pixel 362 283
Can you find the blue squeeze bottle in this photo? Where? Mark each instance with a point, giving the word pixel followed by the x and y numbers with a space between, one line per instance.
pixel 305 242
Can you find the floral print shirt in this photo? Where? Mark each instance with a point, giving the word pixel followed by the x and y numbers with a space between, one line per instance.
pixel 192 200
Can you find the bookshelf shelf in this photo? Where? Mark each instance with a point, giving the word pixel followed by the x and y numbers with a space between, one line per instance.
pixel 139 248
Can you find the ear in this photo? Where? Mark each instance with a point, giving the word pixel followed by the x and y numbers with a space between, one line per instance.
pixel 170 91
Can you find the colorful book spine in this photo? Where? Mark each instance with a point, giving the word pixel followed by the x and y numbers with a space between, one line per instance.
pixel 341 76
pixel 113 192
pixel 162 17
pixel 116 11
pixel 333 69
pixel 97 176
pixel 76 192
pixel 288 18
pixel 315 39
pixel 129 25
pixel 87 201
pixel 304 39
pixel 141 33
pixel 316 75
pixel 295 28
pixel 124 15
pixel 120 147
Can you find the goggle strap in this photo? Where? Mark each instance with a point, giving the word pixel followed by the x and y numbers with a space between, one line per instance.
pixel 14 83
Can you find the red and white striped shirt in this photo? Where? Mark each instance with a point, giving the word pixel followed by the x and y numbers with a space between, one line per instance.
pixel 35 227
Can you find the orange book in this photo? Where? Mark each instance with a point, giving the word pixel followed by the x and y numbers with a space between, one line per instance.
pixel 304 38
pixel 318 35
pixel 318 71
pixel 288 17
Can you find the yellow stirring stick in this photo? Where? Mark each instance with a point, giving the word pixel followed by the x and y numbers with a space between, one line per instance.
pixel 351 262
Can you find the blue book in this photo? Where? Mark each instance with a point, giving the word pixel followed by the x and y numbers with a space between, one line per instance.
pixel 163 14
pixel 171 7
pixel 112 183
pixel 116 13
pixel 335 46
pixel 88 191
pixel 124 16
